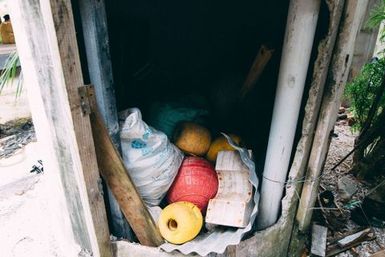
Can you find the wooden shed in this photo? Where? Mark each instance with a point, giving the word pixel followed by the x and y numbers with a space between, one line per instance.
pixel 66 45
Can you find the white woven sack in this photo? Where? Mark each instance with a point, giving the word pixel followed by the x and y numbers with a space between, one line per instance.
pixel 151 160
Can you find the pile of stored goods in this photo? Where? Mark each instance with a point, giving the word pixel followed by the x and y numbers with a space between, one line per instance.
pixel 194 178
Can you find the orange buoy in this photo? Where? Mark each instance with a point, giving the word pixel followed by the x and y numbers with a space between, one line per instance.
pixel 192 138
pixel 221 144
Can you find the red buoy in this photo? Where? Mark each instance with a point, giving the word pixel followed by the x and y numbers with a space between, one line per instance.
pixel 196 182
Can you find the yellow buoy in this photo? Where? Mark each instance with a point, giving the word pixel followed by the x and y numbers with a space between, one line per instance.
pixel 221 144
pixel 180 222
pixel 192 138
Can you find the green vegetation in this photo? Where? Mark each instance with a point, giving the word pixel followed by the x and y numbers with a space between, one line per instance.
pixel 10 72
pixel 366 94
pixel 377 16
pixel 364 90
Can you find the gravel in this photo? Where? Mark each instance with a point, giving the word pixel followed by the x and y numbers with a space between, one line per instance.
pixel 340 145
pixel 15 135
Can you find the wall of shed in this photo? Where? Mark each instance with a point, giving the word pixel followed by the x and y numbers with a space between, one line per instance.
pixel 262 243
pixel 365 43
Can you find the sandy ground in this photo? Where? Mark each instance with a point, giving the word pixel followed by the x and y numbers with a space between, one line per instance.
pixel 33 221
pixel 12 108
pixel 30 220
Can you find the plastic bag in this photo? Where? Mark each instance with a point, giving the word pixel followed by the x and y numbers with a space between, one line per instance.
pixel 151 160
pixel 166 116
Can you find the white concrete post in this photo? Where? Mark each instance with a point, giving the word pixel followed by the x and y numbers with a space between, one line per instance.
pixel 298 43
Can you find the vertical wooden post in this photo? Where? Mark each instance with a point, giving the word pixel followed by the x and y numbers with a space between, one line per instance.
pixel 95 34
pixel 116 176
pixel 94 24
pixel 320 72
pixel 338 74
pixel 47 47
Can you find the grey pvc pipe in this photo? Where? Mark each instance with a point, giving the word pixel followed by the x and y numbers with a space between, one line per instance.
pixel 299 36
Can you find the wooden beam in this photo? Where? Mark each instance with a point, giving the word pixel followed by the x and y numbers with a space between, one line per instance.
pixel 261 60
pixel 348 242
pixel 94 24
pixel 116 176
pixel 47 46
pixel 96 41
pixel 338 73
pixel 320 72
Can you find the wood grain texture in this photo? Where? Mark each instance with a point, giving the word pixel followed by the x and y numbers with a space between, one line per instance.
pixel 261 60
pixel 341 245
pixel 320 72
pixel 338 73
pixel 96 41
pixel 49 57
pixel 116 176
pixel 63 22
pixel 95 33
pixel 48 52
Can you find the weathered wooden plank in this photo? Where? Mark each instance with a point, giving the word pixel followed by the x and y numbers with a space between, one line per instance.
pixel 116 176
pixel 351 239
pixel 340 66
pixel 94 24
pixel 96 41
pixel 48 52
pixel 261 60
pixel 348 242
pixel 320 71
pixel 65 39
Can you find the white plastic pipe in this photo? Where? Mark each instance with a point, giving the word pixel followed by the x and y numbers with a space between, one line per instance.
pixel 298 43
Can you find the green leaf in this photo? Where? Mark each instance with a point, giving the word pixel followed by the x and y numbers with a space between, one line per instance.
pixel 9 73
pixel 362 90
pixel 377 16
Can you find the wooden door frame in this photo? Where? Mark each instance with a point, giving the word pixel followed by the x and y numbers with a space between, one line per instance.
pixel 47 46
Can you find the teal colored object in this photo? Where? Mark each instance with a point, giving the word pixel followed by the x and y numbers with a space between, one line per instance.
pixel 166 116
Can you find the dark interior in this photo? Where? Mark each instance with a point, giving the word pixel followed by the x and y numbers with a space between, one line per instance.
pixel 200 52
pixel 167 50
